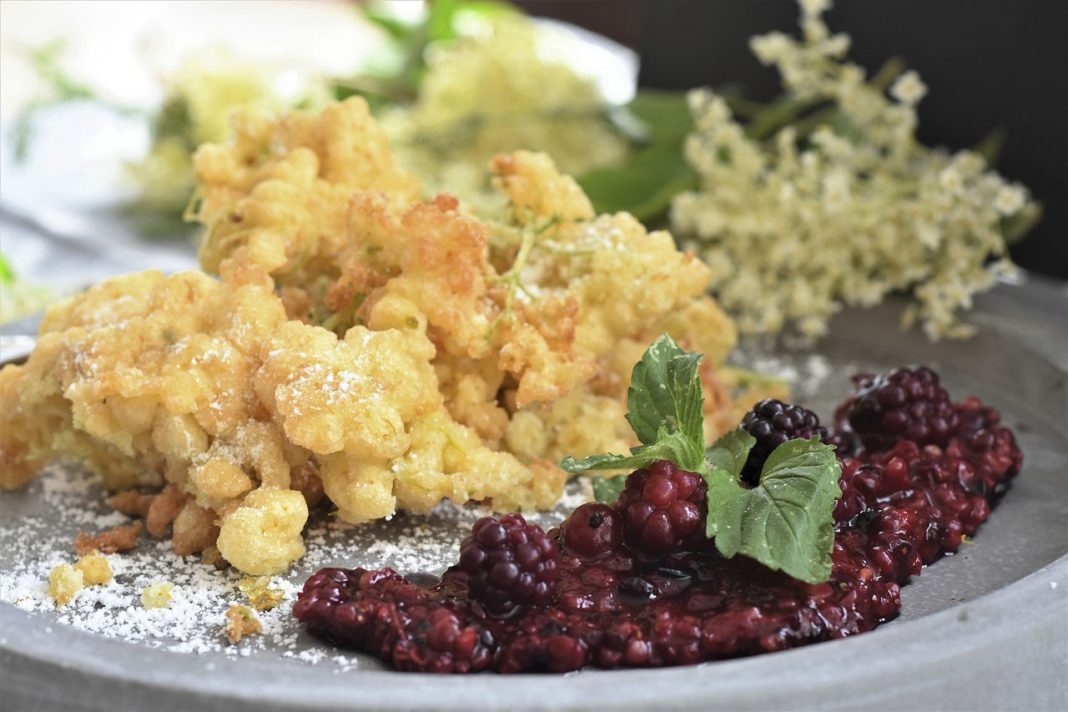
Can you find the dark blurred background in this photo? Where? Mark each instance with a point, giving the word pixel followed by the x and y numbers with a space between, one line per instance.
pixel 987 64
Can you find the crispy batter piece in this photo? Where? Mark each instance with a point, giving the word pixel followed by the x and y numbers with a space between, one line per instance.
pixel 241 622
pixel 194 529
pixel 211 556
pixel 162 511
pixel 120 538
pixel 157 595
pixel 94 568
pixel 306 480
pixel 260 594
pixel 64 582
pixel 131 503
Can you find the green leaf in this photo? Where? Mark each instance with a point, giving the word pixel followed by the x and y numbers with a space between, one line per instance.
pixel 7 275
pixel 657 171
pixel 665 394
pixel 378 15
pixel 666 412
pixel 730 452
pixel 990 147
pixel 1019 224
pixel 673 446
pixel 446 18
pixel 666 114
pixel 786 522
pixel 607 489
pixel 643 186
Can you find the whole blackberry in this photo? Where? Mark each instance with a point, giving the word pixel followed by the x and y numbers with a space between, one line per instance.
pixel 903 404
pixel 509 563
pixel 664 509
pixel 592 530
pixel 772 423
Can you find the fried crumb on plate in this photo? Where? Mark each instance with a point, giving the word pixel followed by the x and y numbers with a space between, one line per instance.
pixel 64 582
pixel 158 595
pixel 241 621
pixel 95 568
pixel 120 538
pixel 258 591
pixel 131 503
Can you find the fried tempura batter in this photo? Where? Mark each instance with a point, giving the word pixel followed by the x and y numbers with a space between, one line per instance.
pixel 387 351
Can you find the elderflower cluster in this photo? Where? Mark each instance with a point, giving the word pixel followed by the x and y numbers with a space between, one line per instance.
pixel 199 99
pixel 844 206
pixel 493 92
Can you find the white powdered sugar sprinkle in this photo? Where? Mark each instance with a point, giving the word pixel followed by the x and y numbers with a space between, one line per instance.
pixel 39 525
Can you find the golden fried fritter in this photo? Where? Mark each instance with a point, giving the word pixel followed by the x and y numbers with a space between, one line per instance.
pixel 386 351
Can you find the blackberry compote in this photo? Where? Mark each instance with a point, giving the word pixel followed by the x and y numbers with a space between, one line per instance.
pixel 625 595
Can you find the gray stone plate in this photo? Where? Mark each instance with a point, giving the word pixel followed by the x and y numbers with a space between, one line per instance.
pixel 985 629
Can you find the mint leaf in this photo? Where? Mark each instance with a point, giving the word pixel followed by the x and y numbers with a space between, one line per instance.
pixel 666 412
pixel 673 446
pixel 730 452
pixel 786 522
pixel 608 489
pixel 594 462
pixel 665 394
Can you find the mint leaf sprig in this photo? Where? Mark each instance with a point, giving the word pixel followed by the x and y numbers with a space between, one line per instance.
pixel 786 522
pixel 665 407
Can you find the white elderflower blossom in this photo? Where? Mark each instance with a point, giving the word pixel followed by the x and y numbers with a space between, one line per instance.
pixel 1010 200
pixel 801 221
pixel 908 89
pixel 770 47
pixel 815 8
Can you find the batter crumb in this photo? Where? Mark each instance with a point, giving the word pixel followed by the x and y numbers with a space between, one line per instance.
pixel 94 568
pixel 120 538
pixel 158 595
pixel 64 582
pixel 241 621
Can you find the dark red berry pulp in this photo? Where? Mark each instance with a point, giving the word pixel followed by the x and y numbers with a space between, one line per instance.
pixel 619 599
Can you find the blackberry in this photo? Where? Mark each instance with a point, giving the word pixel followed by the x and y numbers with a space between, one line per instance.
pixel 509 564
pixel 593 530
pixel 984 440
pixel 664 509
pixel 382 613
pixel 903 404
pixel 974 416
pixel 772 423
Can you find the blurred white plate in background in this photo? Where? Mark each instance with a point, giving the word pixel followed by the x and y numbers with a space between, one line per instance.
pixel 62 222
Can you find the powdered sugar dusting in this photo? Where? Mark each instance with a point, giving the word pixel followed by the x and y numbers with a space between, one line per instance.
pixel 806 374
pixel 41 521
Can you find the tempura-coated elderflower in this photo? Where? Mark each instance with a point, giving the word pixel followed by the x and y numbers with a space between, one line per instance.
pixel 844 208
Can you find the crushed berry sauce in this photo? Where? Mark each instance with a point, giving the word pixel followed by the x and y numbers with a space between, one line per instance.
pixel 901 508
